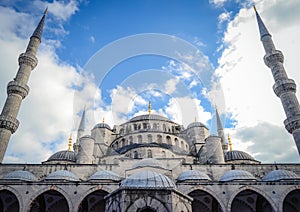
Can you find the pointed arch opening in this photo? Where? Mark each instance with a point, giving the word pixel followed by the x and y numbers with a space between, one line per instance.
pixel 8 201
pixel 249 200
pixel 50 201
pixel 203 201
pixel 147 209
pixel 93 202
pixel 292 201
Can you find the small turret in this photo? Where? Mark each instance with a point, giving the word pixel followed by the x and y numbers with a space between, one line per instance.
pixel 221 132
pixel 80 131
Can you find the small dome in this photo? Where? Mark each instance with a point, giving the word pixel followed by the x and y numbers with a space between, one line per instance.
pixel 147 179
pixel 237 175
pixel 20 175
pixel 105 175
pixel 196 124
pixel 102 125
pixel 193 175
pixel 237 155
pixel 148 162
pixel 63 156
pixel 149 117
pixel 278 175
pixel 62 175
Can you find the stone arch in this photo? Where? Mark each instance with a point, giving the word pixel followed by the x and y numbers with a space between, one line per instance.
pixel 168 140
pixel 9 192
pixel 182 207
pixel 51 188
pixel 153 203
pixel 140 139
pixel 94 201
pixel 285 195
pixel 159 139
pixel 255 190
pixel 149 136
pixel 210 192
pixel 135 155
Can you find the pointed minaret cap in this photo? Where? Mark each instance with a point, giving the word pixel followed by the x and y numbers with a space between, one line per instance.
pixel 230 142
pixel 39 29
pixel 149 108
pixel 82 121
pixel 262 28
pixel 219 123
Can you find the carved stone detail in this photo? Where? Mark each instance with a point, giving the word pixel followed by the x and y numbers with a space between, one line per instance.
pixel 273 58
pixel 8 122
pixel 18 88
pixel 292 124
pixel 283 86
pixel 28 59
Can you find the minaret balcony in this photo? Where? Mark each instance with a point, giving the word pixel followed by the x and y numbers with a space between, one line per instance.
pixel 292 123
pixel 284 86
pixel 273 58
pixel 18 88
pixel 28 59
pixel 8 122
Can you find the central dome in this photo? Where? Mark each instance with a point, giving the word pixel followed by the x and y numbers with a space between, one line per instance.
pixel 149 117
pixel 64 155
pixel 147 179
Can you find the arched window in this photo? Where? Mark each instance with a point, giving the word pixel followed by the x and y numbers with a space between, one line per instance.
pixel 163 154
pixel 130 140
pixel 95 200
pixel 155 126
pixel 123 142
pixel 145 126
pixel 121 131
pixel 164 127
pixel 181 145
pixel 169 140
pixel 149 138
pixel 135 154
pixel 8 201
pixel 159 139
pixel 149 153
pixel 139 139
pixel 135 127
pixel 176 142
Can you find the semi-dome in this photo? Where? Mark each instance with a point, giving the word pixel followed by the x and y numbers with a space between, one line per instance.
pixel 237 155
pixel 102 125
pixel 149 117
pixel 20 175
pixel 147 179
pixel 278 175
pixel 148 162
pixel 64 155
pixel 196 124
pixel 193 175
pixel 237 175
pixel 62 175
pixel 105 175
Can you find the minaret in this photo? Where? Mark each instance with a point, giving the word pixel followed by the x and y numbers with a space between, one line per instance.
pixel 18 89
pixel 221 132
pixel 80 131
pixel 284 87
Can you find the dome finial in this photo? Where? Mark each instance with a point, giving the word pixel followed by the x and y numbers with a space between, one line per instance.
pixel 149 107
pixel 70 143
pixel 103 120
pixel 230 142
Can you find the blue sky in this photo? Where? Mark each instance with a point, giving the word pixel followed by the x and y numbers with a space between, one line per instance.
pixel 183 56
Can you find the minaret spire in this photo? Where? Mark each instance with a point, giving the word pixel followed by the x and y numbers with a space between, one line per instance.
pixel 80 131
pixel 18 89
pixel 284 87
pixel 221 131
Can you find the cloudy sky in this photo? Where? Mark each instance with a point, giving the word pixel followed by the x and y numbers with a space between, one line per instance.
pixel 113 57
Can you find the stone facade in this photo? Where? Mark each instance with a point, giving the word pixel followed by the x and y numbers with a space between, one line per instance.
pixel 149 163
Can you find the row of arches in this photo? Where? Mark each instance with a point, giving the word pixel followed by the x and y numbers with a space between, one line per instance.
pixel 150 138
pixel 149 126
pixel 247 201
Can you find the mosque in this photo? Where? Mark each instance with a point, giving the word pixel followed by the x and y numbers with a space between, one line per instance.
pixel 149 163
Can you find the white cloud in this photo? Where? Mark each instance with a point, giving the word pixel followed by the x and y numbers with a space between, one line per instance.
pixel 217 2
pixel 247 82
pixel 92 39
pixel 225 16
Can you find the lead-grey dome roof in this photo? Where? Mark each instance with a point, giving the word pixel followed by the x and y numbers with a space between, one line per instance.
pixel 193 175
pixel 64 155
pixel 237 175
pixel 102 125
pixel 149 117
pixel 20 175
pixel 237 155
pixel 105 175
pixel 147 179
pixel 62 175
pixel 148 162
pixel 196 124
pixel 278 175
